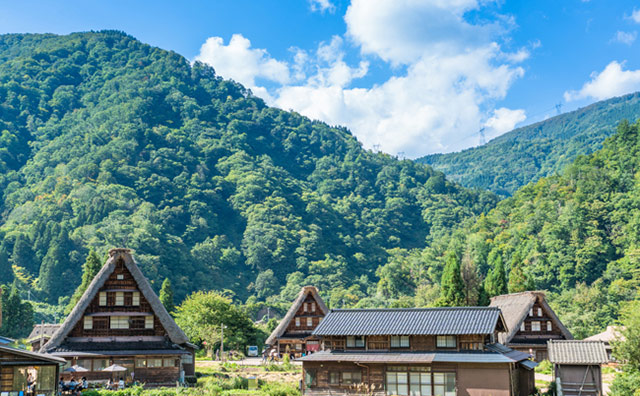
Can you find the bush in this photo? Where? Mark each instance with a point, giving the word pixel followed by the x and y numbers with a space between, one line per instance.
pixel 279 389
pixel 544 367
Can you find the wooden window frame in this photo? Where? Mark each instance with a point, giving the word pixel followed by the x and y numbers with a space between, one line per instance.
pixel 356 341
pixel 549 326
pixel 149 322
pixel 297 322
pixel 534 324
pixel 118 321
pixel 87 323
pixel 119 301
pixel 400 343
pixel 446 338
pixel 102 299
pixel 135 299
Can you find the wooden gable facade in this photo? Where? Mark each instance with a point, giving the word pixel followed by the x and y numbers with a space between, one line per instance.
pixel 531 323
pixel 293 334
pixel 120 320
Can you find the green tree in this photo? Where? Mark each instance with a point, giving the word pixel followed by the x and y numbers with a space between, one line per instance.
pixel 6 272
pixel 266 284
pixel 201 316
pixel 23 255
pixel 518 280
pixel 495 283
pixel 627 383
pixel 452 285
pixel 166 295
pixel 90 269
pixel 17 316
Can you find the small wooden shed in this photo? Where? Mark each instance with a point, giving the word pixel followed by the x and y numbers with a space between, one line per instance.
pixel 25 373
pixel 577 366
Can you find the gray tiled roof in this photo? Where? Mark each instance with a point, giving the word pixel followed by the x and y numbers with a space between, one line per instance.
pixel 577 352
pixel 410 321
pixel 408 357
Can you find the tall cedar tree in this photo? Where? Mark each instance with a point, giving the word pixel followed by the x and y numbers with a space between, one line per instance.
pixel 90 269
pixel 6 273
pixel 166 295
pixel 17 316
pixel 518 280
pixel 452 285
pixel 628 351
pixel 496 282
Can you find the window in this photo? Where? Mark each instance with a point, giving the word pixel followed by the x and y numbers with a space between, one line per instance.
pixel 531 312
pixel 298 347
pixel 469 345
pixel 355 342
pixel 539 311
pixel 420 384
pixel 119 298
pixel 523 327
pixel 399 341
pixel 351 377
pixel 397 384
pixel 86 363
pixel 304 307
pixel 154 363
pixel 309 322
pixel 88 323
pixel 148 322
pixel 448 341
pixel 135 299
pixel 310 378
pixel 297 322
pixel 168 362
pixel 119 322
pixel 102 299
pixel 535 326
pixel 549 326
pixel 444 384
pixel 99 364
pixel 313 307
pixel 334 378
pixel 120 277
pixel 141 363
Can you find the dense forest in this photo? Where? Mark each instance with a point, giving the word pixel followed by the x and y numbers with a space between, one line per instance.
pixel 576 235
pixel 526 154
pixel 106 141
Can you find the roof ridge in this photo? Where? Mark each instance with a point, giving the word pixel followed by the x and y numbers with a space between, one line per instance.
pixel 411 309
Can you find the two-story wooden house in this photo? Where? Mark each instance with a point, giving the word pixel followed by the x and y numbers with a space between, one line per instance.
pixel 120 320
pixel 293 335
pixel 417 352
pixel 531 323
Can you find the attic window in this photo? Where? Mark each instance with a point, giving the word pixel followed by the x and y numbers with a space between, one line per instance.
pixel 535 326
pixel 119 298
pixel 119 322
pixel 313 307
pixel 309 322
pixel 148 322
pixel 88 323
pixel 522 327
pixel 297 322
pixel 539 311
pixel 549 326
pixel 103 299
pixel 135 299
pixel 531 312
pixel 120 277
pixel 304 307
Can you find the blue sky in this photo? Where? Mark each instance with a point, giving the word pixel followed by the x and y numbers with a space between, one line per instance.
pixel 410 77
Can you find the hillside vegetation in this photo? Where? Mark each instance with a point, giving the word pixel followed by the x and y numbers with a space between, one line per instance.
pixel 106 141
pixel 526 154
pixel 576 234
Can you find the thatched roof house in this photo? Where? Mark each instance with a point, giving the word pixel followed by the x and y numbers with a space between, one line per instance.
pixel 293 334
pixel 530 322
pixel 120 320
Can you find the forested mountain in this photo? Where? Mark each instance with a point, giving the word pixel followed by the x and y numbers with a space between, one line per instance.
pixel 106 141
pixel 576 234
pixel 526 154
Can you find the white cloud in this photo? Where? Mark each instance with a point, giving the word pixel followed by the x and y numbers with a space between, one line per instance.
pixel 612 81
pixel 322 6
pixel 503 120
pixel 240 62
pixel 625 37
pixel 635 15
pixel 452 71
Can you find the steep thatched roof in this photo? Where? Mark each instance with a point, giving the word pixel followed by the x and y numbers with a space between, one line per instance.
pixel 515 308
pixel 613 333
pixel 45 330
pixel 284 323
pixel 175 333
